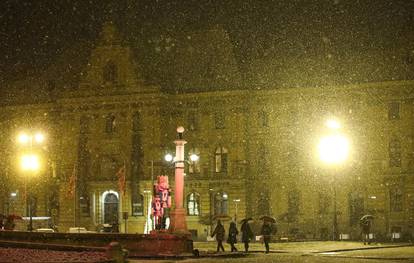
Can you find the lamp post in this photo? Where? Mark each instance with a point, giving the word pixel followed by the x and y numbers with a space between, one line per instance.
pixel 178 223
pixel 333 150
pixel 30 163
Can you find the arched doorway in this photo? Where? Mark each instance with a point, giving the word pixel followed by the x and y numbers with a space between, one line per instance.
pixel 110 207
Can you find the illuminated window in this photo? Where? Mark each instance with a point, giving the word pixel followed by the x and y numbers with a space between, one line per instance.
pixel 138 205
pixel 221 203
pixel 193 204
pixel 221 160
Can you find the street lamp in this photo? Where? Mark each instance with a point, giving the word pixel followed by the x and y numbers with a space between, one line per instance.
pixel 178 222
pixel 333 150
pixel 30 162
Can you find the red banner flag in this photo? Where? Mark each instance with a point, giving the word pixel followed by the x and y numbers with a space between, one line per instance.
pixel 72 183
pixel 121 174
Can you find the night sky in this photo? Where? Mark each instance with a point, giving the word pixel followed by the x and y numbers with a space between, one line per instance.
pixel 34 33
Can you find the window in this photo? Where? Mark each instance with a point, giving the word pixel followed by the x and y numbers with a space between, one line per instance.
pixel 219 120
pixel 221 203
pixel 110 73
pixel 263 119
pixel 110 124
pixel 194 166
pixel 324 203
pixel 395 153
pixel 84 205
pixel 396 200
pixel 136 122
pixel 221 160
pixel 193 204
pixel 356 208
pixel 394 110
pixel 293 205
pixel 192 121
pixel 262 159
pixel 138 205
pixel 264 204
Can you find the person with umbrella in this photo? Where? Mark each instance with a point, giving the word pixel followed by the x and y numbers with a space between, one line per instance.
pixel 267 230
pixel 247 233
pixel 219 232
pixel 232 239
pixel 366 224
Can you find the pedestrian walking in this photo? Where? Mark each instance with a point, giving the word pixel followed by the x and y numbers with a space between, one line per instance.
pixel 365 224
pixel 247 234
pixel 266 233
pixel 232 239
pixel 219 232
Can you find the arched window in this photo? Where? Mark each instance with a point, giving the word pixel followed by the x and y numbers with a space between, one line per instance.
pixel 110 207
pixel 138 205
pixel 221 160
pixel 193 204
pixel 194 166
pixel 110 124
pixel 221 203
pixel 110 72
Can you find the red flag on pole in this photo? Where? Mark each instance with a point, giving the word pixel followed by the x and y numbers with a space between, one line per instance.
pixel 72 183
pixel 121 174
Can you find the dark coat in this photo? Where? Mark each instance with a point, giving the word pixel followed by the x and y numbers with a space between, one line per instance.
pixel 219 232
pixel 266 231
pixel 247 233
pixel 233 232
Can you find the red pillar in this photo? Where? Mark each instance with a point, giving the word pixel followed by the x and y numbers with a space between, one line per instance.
pixel 178 215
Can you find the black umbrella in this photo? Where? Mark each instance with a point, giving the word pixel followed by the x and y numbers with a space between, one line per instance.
pixel 367 217
pixel 246 220
pixel 268 219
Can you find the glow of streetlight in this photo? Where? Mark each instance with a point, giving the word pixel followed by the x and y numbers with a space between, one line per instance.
pixel 30 162
pixel 333 149
pixel 168 157
pixel 39 137
pixel 23 138
pixel 194 157
pixel 333 124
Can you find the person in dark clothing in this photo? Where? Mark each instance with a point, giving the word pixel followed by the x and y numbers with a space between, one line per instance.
pixel 232 239
pixel 219 232
pixel 247 234
pixel 365 230
pixel 266 232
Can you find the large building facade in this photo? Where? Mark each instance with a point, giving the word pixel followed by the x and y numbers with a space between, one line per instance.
pixel 257 147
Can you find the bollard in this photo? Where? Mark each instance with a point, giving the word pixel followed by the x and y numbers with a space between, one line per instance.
pixel 115 252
